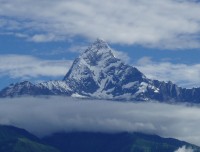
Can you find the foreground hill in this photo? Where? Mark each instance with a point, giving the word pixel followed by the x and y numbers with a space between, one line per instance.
pixel 119 142
pixel 13 139
pixel 97 73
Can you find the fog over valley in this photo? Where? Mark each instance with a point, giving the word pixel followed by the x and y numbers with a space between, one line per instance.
pixel 43 116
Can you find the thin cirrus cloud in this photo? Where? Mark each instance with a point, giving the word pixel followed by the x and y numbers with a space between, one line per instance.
pixel 24 66
pixel 44 38
pixel 181 74
pixel 72 114
pixel 168 24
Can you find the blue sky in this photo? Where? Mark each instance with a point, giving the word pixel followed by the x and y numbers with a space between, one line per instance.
pixel 40 39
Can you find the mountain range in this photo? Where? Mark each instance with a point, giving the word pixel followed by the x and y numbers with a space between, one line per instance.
pixel 98 73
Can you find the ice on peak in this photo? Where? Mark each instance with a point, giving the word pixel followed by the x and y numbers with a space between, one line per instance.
pixel 100 39
pixel 97 51
pixel 100 42
pixel 99 46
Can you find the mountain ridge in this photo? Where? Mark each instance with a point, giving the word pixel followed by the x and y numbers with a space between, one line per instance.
pixel 121 142
pixel 14 139
pixel 97 73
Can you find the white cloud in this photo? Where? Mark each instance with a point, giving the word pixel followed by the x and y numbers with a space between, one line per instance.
pixel 17 34
pixel 181 74
pixel 71 114
pixel 168 24
pixel 22 66
pixel 122 55
pixel 184 149
pixel 77 48
pixel 44 38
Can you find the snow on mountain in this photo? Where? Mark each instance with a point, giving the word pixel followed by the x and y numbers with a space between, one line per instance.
pixel 27 88
pixel 97 73
pixel 56 87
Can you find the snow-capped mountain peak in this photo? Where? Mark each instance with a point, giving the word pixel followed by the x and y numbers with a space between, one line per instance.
pixel 98 73
pixel 98 52
pixel 100 44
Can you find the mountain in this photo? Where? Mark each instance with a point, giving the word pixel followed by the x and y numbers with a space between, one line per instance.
pixel 119 142
pixel 97 73
pixel 13 139
pixel 26 88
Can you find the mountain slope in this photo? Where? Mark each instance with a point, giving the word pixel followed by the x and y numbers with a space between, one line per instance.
pixel 13 139
pixel 26 88
pixel 119 142
pixel 97 73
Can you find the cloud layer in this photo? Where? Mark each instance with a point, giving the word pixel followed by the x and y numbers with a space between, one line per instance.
pixel 168 24
pixel 25 67
pixel 181 74
pixel 43 116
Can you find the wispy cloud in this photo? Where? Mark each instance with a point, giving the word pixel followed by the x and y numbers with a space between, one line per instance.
pixel 70 114
pixel 77 48
pixel 164 24
pixel 23 66
pixel 182 74
pixel 45 38
pixel 122 55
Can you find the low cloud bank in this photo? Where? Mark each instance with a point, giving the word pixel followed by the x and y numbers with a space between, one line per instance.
pixel 184 149
pixel 43 116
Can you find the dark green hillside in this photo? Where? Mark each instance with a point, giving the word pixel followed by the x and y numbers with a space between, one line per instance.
pixel 122 142
pixel 13 139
